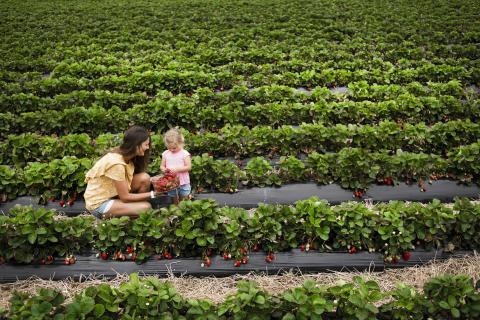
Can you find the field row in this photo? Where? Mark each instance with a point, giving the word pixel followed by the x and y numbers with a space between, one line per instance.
pixel 201 228
pixel 242 142
pixel 352 168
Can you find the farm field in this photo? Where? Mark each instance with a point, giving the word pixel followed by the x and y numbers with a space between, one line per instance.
pixel 356 94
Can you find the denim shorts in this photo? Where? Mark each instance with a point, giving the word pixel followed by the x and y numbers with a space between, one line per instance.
pixel 102 209
pixel 183 191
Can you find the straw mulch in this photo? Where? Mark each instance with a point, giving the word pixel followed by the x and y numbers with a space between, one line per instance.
pixel 217 289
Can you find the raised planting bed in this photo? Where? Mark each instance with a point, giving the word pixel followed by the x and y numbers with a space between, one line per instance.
pixel 443 190
pixel 87 265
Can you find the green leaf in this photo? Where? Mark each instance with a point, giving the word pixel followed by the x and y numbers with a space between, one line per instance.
pixel 455 312
pixel 32 237
pixel 260 299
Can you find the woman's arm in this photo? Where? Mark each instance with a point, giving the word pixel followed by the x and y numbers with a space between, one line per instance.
pixel 126 196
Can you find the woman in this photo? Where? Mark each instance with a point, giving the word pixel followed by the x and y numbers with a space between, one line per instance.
pixel 118 185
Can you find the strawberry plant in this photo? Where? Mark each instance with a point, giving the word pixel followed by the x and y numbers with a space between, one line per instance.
pixel 320 166
pixel 464 162
pixel 309 301
pixel 9 186
pixel 148 298
pixel 317 219
pixel 354 227
pixel 466 227
pixel 232 233
pixel 111 236
pixel 355 168
pixel 40 306
pixel 248 302
pixel 395 232
pixel 291 169
pixel 407 304
pixel 193 228
pixel 356 300
pixel 260 173
pixel 76 234
pixel 30 234
pixel 452 297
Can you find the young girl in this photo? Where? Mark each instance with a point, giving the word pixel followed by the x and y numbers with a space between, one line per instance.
pixel 176 160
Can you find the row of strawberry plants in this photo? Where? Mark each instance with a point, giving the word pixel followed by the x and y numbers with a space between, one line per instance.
pixel 241 141
pixel 159 114
pixel 443 297
pixel 352 168
pixel 201 228
pixel 187 81
pixel 204 97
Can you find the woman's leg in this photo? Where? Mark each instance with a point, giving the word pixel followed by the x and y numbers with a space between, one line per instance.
pixel 140 183
pixel 131 209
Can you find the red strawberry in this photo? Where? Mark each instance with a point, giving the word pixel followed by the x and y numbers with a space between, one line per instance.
pixel 271 256
pixel 67 261
pixel 302 247
pixel 49 258
pixel 256 247
pixel 209 252
pixel 42 261
pixel 352 250
pixel 208 262
pixel 406 255
pixel 130 249
pixel 134 257
pixel 237 263
pixel 70 202
pixel 244 260
pixel 104 255
pixel 268 259
pixel 225 256
pixel 62 203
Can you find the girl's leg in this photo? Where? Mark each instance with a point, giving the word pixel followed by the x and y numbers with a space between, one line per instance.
pixel 141 183
pixel 131 209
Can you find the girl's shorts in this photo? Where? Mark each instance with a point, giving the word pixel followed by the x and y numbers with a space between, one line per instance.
pixel 102 209
pixel 183 191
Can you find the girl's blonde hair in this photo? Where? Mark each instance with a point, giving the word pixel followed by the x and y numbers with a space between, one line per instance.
pixel 174 137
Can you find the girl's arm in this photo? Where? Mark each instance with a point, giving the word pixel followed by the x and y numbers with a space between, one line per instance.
pixel 126 196
pixel 163 166
pixel 187 166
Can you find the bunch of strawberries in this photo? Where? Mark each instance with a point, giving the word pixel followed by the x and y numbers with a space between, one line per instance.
pixel 164 183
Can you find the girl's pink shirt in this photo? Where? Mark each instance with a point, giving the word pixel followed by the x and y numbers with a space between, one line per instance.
pixel 175 160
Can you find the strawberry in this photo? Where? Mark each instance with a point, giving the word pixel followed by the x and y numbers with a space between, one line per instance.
pixel 62 203
pixel 352 250
pixel 42 261
pixel 302 247
pixel 208 262
pixel 134 257
pixel 169 257
pixel 395 259
pixel 209 252
pixel 268 259
pixel 226 256
pixel 2 260
pixel 256 247
pixel 237 263
pixel 271 256
pixel 70 202
pixel 406 255
pixel 130 249
pixel 243 251
pixel 66 261
pixel 104 255
pixel 49 258
pixel 244 260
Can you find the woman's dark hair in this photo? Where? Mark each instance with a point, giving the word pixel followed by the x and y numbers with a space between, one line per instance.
pixel 132 139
